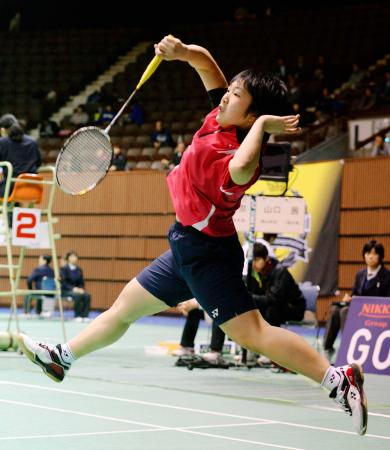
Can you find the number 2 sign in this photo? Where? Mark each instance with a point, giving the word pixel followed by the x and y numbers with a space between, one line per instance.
pixel 25 226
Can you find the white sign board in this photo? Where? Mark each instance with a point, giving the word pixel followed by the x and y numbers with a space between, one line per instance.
pixel 242 216
pixel 280 214
pixel 25 226
pixel 43 239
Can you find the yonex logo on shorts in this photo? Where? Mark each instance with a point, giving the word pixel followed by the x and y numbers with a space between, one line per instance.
pixel 214 313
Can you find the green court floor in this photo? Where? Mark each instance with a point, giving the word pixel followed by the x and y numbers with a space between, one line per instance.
pixel 119 398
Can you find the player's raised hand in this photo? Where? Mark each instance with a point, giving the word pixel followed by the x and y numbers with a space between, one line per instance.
pixel 170 48
pixel 281 124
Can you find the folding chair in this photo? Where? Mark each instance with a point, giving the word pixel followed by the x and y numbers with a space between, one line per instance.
pixel 48 301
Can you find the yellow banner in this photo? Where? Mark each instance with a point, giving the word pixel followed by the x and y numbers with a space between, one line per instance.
pixel 316 183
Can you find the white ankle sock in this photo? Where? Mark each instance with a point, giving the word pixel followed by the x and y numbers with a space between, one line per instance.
pixel 66 354
pixel 331 379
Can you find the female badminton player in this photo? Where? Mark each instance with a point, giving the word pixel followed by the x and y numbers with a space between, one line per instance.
pixel 205 259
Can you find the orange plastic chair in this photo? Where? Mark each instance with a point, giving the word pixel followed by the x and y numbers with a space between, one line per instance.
pixel 27 192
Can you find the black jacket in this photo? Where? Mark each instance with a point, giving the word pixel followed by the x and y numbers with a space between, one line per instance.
pixel 379 286
pixel 38 274
pixel 71 278
pixel 278 289
pixel 24 156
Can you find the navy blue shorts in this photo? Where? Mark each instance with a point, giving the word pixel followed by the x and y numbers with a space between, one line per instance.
pixel 202 267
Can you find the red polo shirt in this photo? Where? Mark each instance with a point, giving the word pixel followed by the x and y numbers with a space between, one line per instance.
pixel 203 193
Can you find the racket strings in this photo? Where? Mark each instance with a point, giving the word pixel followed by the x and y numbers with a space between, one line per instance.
pixel 84 160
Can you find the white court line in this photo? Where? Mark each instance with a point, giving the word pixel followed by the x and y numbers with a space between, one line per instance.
pixel 326 408
pixel 246 441
pixel 99 433
pixel 181 408
pixel 95 433
pixel 157 428
pixel 247 424
pixel 79 413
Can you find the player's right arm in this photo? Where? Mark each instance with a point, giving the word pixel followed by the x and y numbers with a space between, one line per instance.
pixel 171 48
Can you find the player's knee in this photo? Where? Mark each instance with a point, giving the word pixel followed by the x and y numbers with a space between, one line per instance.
pixel 249 337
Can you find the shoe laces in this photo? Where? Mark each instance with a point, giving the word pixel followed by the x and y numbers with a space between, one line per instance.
pixel 342 402
pixel 340 393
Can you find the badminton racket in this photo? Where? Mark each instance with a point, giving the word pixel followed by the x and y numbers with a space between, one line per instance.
pixel 86 156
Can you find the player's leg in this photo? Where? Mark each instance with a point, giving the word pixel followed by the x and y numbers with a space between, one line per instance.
pixel 133 302
pixel 280 345
pixel 345 384
pixel 212 269
pixel 141 297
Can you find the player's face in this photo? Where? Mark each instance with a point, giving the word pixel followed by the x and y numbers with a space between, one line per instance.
pixel 234 106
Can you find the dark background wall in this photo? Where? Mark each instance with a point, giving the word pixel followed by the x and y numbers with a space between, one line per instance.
pixel 158 16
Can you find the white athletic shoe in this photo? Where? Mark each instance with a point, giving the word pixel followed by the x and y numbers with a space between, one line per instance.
pixel 212 357
pixel 183 351
pixel 46 356
pixel 263 361
pixel 350 396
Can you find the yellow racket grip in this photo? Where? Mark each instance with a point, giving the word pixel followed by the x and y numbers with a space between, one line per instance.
pixel 149 71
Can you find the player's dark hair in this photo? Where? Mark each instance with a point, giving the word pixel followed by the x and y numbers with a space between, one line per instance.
pixel 377 246
pixel 260 251
pixel 269 93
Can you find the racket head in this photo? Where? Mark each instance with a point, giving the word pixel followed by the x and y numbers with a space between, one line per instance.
pixel 84 160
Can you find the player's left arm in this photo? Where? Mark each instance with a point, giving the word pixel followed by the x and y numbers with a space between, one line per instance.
pixel 171 48
pixel 242 166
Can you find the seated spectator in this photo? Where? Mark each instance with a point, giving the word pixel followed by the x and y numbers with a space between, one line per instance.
pixel 322 71
pixel 273 289
pixel 14 23
pixel 161 136
pixel 301 71
pixel 50 102
pixel 137 114
pixel 266 240
pixel 373 281
pixel 293 90
pixel 354 79
pixel 384 90
pixel 242 14
pixel 368 100
pixel 176 156
pixel 17 148
pixel 280 69
pixel 381 147
pixel 119 159
pixel 72 285
pixel 94 97
pixel 48 128
pixel 34 281
pixel 104 116
pixel 79 117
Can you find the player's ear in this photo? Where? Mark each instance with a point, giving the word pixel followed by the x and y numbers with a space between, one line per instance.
pixel 251 119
